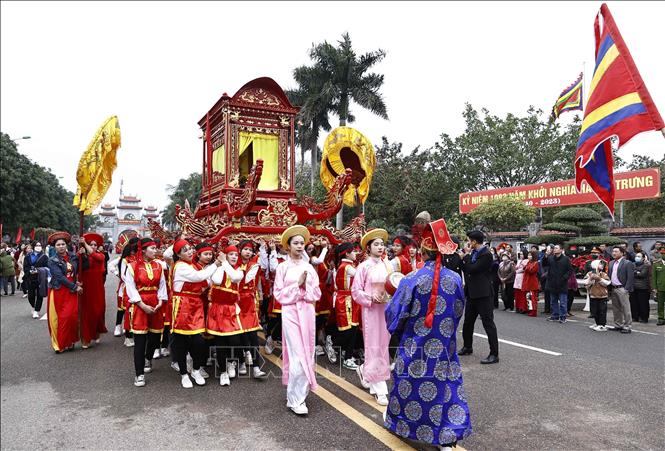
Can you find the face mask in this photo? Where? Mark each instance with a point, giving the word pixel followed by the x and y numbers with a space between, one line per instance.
pixel 38 248
pixel 638 259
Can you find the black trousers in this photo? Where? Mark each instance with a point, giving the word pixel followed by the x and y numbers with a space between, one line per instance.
pixel 508 296
pixel 548 306
pixel 599 309
pixel 118 317
pixel 275 327
pixel 166 337
pixel 496 283
pixel 571 298
pixel 227 348
pixel 34 298
pixel 192 344
pixel 639 304
pixel 345 339
pixel 144 348
pixel 482 307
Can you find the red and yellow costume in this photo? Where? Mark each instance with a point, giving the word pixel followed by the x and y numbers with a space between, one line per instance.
pixel 63 312
pixel 347 312
pixel 126 263
pixel 147 279
pixel 274 307
pixel 223 309
pixel 93 298
pixel 249 319
pixel 187 315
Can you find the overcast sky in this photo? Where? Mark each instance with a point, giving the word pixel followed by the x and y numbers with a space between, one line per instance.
pixel 66 67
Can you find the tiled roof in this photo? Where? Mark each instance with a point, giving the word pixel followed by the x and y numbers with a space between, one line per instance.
pixel 515 234
pixel 638 230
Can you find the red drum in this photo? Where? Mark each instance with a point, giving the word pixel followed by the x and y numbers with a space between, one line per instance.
pixel 392 282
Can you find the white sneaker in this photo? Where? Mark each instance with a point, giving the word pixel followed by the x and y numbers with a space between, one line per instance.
pixel 129 342
pixel 445 448
pixel 198 378
pixel 270 346
pixel 175 366
pixel 25 295
pixel 359 372
pixel 35 314
pixel 165 352
pixel 204 373
pixel 117 332
pixel 190 363
pixel 224 379
pixel 186 381
pixel 350 364
pixel 156 354
pixel 242 369
pixel 231 369
pixel 257 373
pixel 248 358
pixel 301 409
pixel 147 367
pixel 602 329
pixel 139 381
pixel 44 318
pixel 319 350
pixel 330 351
pixel 97 341
pixel 381 400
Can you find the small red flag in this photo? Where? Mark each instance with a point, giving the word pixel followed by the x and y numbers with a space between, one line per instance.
pixel 32 234
pixel 18 235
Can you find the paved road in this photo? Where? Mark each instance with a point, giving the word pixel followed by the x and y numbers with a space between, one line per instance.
pixel 604 391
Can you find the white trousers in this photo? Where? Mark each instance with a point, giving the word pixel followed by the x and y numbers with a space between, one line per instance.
pixel 298 386
pixel 378 388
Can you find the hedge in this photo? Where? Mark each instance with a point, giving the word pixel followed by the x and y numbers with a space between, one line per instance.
pixel 546 238
pixel 595 241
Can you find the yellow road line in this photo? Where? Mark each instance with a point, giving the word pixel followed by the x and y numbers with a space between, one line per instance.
pixel 378 432
pixel 349 388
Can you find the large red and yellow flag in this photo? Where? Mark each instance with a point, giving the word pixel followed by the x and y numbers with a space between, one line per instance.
pixel 619 107
pixel 95 170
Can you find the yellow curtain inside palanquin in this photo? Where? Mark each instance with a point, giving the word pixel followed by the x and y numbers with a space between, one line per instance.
pixel 219 160
pixel 266 148
pixel 348 140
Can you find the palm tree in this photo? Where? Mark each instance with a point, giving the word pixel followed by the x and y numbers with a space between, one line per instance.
pixel 337 77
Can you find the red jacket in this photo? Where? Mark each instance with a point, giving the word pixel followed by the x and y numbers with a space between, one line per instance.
pixel 530 281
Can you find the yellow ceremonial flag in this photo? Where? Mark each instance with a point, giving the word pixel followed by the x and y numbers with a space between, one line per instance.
pixel 346 147
pixel 97 165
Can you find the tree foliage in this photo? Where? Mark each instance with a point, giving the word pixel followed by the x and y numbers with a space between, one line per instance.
pixel 546 238
pixel 496 152
pixel 186 189
pixel 595 240
pixel 31 196
pixel 503 213
pixel 648 212
pixel 337 77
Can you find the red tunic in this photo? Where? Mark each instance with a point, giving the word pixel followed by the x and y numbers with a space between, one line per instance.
pixel 530 281
pixel 125 299
pixel 274 307
pixel 169 304
pixel 187 314
pixel 93 299
pixel 347 312
pixel 249 319
pixel 324 306
pixel 63 314
pixel 223 309
pixel 146 279
pixel 404 266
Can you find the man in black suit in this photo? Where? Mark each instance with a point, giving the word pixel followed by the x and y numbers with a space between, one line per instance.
pixel 477 266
